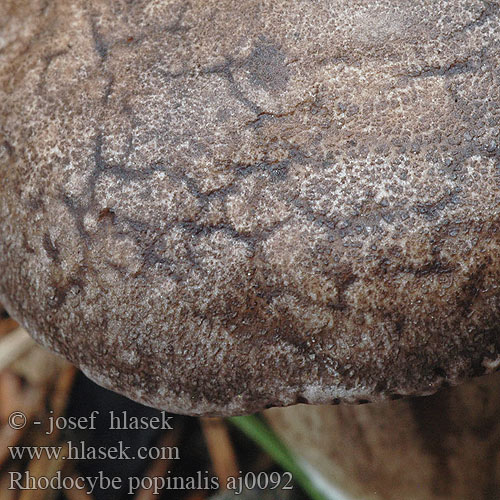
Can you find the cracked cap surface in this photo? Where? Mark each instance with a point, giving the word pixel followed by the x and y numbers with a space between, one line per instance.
pixel 216 206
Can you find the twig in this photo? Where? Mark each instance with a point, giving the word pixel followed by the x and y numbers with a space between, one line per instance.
pixel 220 448
pixel 13 346
pixel 7 325
pixel 8 437
pixel 30 405
pixel 158 468
pixel 10 392
pixel 47 468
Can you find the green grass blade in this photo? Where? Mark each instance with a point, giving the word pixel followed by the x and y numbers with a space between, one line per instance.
pixel 258 431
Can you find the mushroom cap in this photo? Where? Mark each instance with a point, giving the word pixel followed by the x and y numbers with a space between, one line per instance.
pixel 216 206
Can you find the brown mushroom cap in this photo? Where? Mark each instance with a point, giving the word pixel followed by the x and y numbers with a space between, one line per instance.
pixel 218 206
